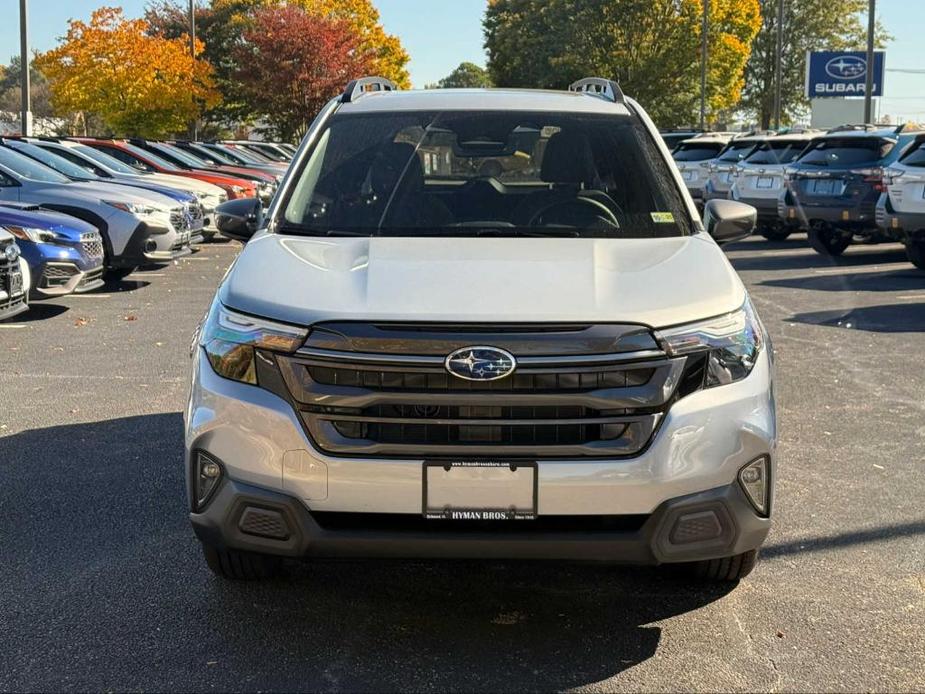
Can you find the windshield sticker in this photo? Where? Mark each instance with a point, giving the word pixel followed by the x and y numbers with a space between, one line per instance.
pixel 662 217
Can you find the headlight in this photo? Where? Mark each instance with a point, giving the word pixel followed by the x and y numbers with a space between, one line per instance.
pixel 230 340
pixel 30 234
pixel 137 209
pixel 732 342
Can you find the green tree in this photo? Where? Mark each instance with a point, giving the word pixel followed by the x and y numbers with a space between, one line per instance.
pixel 11 96
pixel 808 25
pixel 651 47
pixel 466 75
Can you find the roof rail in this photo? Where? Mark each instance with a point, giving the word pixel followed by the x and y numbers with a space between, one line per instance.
pixel 598 86
pixel 363 85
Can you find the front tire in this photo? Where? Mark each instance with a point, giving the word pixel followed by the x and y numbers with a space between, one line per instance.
pixel 775 233
pixel 240 566
pixel 828 241
pixel 726 569
pixel 915 252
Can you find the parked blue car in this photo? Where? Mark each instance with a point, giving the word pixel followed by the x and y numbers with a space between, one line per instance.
pixel 64 254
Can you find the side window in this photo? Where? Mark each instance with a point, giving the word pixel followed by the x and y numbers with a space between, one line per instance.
pixel 6 181
pixel 126 158
pixel 81 162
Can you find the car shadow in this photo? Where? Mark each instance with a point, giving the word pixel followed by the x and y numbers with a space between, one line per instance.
pixel 892 281
pixel 122 285
pixel 106 558
pixel 886 318
pixel 39 310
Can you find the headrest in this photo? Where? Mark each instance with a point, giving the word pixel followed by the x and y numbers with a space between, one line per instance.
pixel 568 159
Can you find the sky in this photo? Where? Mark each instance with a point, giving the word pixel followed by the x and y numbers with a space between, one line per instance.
pixel 440 34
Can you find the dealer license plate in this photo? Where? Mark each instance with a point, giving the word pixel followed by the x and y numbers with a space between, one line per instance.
pixel 15 284
pixel 479 490
pixel 764 182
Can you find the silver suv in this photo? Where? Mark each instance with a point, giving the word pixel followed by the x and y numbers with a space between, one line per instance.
pixel 482 323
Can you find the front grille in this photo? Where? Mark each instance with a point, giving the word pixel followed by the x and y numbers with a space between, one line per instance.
pixel 90 277
pixel 9 270
pixel 92 244
pixel 407 405
pixel 178 219
pixel 194 210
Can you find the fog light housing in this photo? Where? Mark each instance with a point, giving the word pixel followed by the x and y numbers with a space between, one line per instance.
pixel 207 474
pixel 755 482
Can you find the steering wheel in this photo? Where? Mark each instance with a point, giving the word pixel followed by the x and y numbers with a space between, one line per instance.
pixel 602 211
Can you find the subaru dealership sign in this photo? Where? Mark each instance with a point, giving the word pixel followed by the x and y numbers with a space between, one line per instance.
pixel 841 73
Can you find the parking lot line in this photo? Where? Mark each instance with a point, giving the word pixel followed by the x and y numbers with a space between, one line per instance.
pixel 13 326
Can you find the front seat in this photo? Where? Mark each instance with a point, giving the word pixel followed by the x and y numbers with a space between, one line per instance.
pixel 568 165
pixel 397 169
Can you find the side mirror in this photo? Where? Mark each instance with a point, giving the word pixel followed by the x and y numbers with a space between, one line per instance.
pixel 239 219
pixel 729 220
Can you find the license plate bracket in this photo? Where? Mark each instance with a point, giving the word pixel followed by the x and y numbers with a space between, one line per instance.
pixel 465 490
pixel 16 284
pixel 764 182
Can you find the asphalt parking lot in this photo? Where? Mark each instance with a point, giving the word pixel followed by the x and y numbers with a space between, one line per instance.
pixel 102 586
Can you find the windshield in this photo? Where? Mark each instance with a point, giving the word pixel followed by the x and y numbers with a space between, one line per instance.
pixel 776 153
pixel 180 155
pixel 244 154
pixel 210 155
pixel 487 173
pixel 737 151
pixel 105 160
pixel 59 164
pixel 151 157
pixel 842 152
pixel 696 152
pixel 29 168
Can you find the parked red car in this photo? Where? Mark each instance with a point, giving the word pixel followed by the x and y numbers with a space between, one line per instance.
pixel 147 161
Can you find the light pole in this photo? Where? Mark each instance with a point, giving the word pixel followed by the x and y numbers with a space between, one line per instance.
pixel 703 67
pixel 192 51
pixel 778 69
pixel 869 74
pixel 26 123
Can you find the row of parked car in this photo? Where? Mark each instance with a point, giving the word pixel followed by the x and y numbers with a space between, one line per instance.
pixel 76 212
pixel 853 183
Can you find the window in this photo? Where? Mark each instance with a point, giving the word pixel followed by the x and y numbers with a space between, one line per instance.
pixel 915 156
pixel 696 152
pixel 29 168
pixel 848 151
pixel 775 153
pixel 737 151
pixel 485 173
pixel 85 164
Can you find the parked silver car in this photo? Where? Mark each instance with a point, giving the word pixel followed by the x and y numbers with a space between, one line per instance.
pixel 445 344
pixel 138 227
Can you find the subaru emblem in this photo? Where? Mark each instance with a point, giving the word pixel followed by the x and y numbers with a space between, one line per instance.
pixel 846 67
pixel 480 363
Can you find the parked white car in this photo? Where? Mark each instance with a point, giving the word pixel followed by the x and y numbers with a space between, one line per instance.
pixel 106 166
pixel 759 181
pixel 693 158
pixel 138 227
pixel 15 279
pixel 901 208
pixel 722 168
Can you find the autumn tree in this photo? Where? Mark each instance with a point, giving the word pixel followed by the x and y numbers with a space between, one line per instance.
pixel 291 62
pixel 221 24
pixel 465 75
pixel 652 47
pixel 136 83
pixel 808 25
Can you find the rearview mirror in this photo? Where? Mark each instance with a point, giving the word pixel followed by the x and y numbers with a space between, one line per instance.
pixel 239 219
pixel 729 220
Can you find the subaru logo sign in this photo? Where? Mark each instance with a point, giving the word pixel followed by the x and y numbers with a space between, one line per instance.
pixel 480 363
pixel 846 67
pixel 842 73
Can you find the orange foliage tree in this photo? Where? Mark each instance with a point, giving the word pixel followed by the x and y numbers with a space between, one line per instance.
pixel 135 83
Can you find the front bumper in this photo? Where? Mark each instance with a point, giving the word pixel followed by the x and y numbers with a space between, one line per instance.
pixel 702 443
pixel 62 278
pixel 168 244
pixel 661 537
pixel 14 301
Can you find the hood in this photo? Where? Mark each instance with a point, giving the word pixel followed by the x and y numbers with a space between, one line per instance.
pixel 182 196
pixel 120 192
pixel 33 217
pixel 184 183
pixel 655 282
